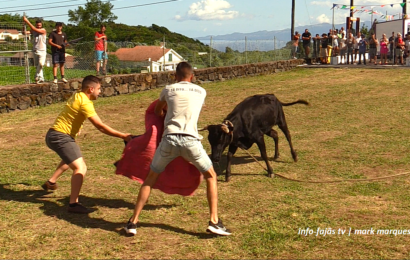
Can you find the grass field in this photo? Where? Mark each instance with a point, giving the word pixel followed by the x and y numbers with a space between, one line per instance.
pixel 358 126
pixel 12 75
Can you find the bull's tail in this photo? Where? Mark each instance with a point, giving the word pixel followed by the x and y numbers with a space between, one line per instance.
pixel 300 101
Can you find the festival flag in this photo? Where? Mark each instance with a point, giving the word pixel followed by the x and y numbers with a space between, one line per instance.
pixel 353 7
pixel 344 7
pixel 402 4
pixel 391 5
pixel 382 6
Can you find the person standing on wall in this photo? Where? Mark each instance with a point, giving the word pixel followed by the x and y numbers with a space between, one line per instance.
pixel 39 37
pixel 58 42
pixel 101 50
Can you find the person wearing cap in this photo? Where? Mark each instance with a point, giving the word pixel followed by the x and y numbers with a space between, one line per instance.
pixel 323 50
pixel 58 41
pixel 399 49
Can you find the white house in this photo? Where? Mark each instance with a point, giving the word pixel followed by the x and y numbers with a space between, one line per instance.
pixel 155 58
pixel 12 33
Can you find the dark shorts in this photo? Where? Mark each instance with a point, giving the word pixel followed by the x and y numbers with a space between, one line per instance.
pixel 64 145
pixel 58 57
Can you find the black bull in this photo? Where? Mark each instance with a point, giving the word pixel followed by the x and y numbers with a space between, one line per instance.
pixel 247 124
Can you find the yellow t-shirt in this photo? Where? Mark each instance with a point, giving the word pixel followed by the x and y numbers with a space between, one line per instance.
pixel 78 108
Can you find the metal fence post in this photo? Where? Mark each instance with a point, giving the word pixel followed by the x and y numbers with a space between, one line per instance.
pixel 26 63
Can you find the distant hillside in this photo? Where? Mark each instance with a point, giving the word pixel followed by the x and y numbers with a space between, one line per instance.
pixel 282 36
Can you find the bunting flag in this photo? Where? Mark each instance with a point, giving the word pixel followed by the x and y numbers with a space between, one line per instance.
pixel 403 4
pixel 344 7
pixel 353 7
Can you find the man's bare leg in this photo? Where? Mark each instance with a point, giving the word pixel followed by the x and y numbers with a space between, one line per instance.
pixel 79 169
pixel 61 168
pixel 143 194
pixel 212 193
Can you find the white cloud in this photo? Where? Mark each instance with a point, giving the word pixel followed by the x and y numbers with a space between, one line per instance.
pixel 322 3
pixel 323 19
pixel 209 10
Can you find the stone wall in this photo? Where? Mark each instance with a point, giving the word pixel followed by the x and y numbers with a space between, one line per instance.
pixel 31 95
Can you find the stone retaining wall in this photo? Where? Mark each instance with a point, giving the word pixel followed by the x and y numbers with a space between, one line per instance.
pixel 21 97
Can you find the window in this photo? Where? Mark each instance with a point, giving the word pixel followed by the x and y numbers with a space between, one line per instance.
pixel 170 57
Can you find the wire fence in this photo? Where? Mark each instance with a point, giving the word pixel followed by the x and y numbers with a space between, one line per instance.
pixel 17 60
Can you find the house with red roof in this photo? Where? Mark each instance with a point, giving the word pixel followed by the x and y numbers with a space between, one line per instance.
pixel 154 58
pixel 12 33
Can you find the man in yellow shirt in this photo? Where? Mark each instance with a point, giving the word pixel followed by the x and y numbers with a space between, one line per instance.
pixel 61 138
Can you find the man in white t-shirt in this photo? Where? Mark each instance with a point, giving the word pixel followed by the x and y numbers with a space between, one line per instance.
pixel 181 104
pixel 39 36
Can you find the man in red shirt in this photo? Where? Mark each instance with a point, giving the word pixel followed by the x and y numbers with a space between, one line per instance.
pixel 101 49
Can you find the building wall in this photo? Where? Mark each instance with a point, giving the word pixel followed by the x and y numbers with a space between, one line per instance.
pixel 21 97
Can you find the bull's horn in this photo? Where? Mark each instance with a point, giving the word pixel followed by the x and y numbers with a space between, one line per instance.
pixel 225 128
pixel 228 123
pixel 203 129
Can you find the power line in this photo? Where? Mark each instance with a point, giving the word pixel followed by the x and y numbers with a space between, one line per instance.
pixel 155 3
pixel 25 10
pixel 12 7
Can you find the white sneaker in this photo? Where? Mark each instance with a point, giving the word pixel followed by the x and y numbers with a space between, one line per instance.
pixel 55 81
pixel 131 228
pixel 64 80
pixel 39 81
pixel 218 229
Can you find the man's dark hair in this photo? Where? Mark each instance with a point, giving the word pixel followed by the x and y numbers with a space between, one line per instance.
pixel 184 70
pixel 59 24
pixel 39 21
pixel 89 81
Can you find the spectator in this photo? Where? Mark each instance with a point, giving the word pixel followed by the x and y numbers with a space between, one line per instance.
pixel 373 43
pixel 358 38
pixel 335 43
pixel 101 50
pixel 295 44
pixel 407 46
pixel 392 41
pixel 323 51
pixel 58 42
pixel 384 49
pixel 39 37
pixel 343 48
pixel 362 49
pixel 399 49
pixel 316 47
pixel 306 37
pixel 342 31
pixel 350 42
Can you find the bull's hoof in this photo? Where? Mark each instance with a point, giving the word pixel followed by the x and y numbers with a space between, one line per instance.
pixel 228 178
pixel 276 158
pixel 271 175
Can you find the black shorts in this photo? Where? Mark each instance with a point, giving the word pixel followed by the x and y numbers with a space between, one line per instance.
pixel 64 145
pixel 58 57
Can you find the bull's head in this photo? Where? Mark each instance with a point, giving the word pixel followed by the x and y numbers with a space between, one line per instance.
pixel 220 136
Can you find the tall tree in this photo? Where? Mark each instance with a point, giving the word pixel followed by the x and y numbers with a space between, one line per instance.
pixel 94 13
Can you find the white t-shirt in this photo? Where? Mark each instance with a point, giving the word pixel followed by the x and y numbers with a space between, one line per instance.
pixel 356 42
pixel 184 101
pixel 39 41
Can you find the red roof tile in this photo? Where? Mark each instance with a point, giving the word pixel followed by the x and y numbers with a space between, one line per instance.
pixel 140 53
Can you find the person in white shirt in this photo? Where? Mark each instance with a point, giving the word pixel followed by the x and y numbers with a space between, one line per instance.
pixel 183 102
pixel 358 38
pixel 39 36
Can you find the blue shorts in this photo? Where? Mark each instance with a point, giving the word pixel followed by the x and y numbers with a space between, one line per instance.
pixel 99 55
pixel 188 147
pixel 58 57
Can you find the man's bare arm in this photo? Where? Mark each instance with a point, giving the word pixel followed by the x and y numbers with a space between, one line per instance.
pixel 160 107
pixel 96 121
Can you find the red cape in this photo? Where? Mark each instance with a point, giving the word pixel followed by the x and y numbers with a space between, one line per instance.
pixel 179 177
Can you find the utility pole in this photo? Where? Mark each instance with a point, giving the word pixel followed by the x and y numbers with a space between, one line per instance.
pixel 351 10
pixel 404 7
pixel 292 29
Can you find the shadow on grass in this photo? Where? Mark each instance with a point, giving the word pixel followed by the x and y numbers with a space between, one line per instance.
pixel 54 209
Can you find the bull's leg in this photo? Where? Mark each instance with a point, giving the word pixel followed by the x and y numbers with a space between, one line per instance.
pixel 285 130
pixel 272 133
pixel 231 152
pixel 261 144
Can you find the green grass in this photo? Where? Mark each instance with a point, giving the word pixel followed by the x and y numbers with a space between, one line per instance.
pixel 12 75
pixel 353 129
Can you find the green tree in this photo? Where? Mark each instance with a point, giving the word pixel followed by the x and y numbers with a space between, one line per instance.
pixel 93 14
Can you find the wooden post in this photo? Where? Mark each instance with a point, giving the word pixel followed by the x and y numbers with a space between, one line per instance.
pixel 292 30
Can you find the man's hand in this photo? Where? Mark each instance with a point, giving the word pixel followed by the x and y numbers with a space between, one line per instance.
pixel 127 138
pixel 59 47
pixel 25 19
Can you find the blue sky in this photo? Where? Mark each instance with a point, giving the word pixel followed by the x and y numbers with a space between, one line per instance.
pixel 196 18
